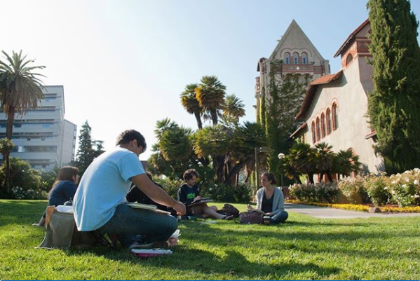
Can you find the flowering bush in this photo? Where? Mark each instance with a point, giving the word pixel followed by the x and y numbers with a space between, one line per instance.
pixel 377 189
pixel 21 193
pixel 405 188
pixel 320 192
pixel 354 189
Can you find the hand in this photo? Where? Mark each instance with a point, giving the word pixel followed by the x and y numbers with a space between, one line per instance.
pixel 197 198
pixel 180 208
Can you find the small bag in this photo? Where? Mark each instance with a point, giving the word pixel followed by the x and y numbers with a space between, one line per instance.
pixel 251 217
pixel 229 210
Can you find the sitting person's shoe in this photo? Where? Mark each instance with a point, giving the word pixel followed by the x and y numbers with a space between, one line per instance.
pixel 152 245
pixel 266 219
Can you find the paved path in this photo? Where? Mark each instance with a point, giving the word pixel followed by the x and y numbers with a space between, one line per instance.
pixel 333 213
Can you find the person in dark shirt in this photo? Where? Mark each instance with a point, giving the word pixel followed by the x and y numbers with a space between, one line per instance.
pixel 270 200
pixel 136 195
pixel 190 192
pixel 63 189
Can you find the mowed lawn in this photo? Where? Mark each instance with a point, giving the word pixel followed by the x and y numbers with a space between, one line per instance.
pixel 302 248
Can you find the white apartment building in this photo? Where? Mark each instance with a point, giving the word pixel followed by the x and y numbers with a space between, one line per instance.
pixel 42 136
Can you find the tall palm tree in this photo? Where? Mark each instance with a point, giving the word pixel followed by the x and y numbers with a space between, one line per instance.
pixel 211 96
pixel 233 109
pixel 20 90
pixel 190 103
pixel 20 87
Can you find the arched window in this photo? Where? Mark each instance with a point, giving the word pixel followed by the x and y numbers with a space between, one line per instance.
pixel 334 116
pixel 318 131
pixel 349 59
pixel 328 121
pixel 313 132
pixel 323 125
pixel 304 58
pixel 296 58
pixel 287 58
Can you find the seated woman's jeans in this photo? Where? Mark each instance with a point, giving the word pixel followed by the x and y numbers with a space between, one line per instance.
pixel 127 223
pixel 279 217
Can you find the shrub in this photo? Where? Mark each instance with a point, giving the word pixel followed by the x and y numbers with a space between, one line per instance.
pixel 376 187
pixel 405 188
pixel 354 190
pixel 170 186
pixel 225 193
pixel 320 192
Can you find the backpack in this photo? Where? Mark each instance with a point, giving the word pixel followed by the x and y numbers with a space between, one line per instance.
pixel 229 210
pixel 251 217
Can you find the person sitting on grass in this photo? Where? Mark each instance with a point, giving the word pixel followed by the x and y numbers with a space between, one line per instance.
pixel 136 195
pixel 190 192
pixel 100 201
pixel 270 200
pixel 63 189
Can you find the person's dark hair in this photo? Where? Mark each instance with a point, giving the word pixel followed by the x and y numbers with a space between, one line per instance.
pixel 189 174
pixel 270 177
pixel 129 135
pixel 66 173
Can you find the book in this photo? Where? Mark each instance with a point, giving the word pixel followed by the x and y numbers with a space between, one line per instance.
pixel 200 201
pixel 147 253
pixel 147 207
pixel 142 206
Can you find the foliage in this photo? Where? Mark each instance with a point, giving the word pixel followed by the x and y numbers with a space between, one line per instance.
pixel 405 188
pixel 376 187
pixel 233 109
pixel 285 91
pixel 87 152
pixel 221 192
pixel 394 104
pixel 320 192
pixel 171 186
pixel 354 189
pixel 191 104
pixel 25 182
pixel 211 95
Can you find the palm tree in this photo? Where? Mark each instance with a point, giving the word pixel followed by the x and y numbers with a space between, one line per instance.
pixel 325 160
pixel 20 89
pixel 211 95
pixel 190 103
pixel 233 109
pixel 6 147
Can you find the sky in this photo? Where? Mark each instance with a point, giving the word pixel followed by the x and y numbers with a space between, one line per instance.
pixel 123 64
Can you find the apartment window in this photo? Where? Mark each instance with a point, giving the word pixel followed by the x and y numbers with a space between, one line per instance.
pixel 328 121
pixel 313 132
pixel 318 130
pixel 323 125
pixel 287 58
pixel 334 117
pixel 304 58
pixel 296 58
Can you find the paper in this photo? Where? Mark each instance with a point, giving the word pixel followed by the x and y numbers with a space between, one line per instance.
pixel 142 206
pixel 201 201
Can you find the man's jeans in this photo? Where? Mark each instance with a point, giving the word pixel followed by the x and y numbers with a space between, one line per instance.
pixel 129 222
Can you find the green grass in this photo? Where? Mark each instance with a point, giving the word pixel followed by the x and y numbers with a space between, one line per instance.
pixel 303 248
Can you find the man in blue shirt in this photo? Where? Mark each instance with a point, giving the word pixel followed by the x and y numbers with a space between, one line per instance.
pixel 99 203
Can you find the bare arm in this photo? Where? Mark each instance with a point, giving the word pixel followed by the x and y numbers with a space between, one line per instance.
pixel 157 194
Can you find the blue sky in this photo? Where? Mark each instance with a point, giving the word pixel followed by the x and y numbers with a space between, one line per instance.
pixel 123 64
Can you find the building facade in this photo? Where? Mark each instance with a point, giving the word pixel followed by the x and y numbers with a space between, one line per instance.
pixel 334 109
pixel 42 136
pixel 294 54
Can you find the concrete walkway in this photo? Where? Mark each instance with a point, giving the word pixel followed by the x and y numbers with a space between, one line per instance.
pixel 333 213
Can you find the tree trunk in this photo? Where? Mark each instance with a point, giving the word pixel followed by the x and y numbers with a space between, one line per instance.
pixel 198 118
pixel 9 133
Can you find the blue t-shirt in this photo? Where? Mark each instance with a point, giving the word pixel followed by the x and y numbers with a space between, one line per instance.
pixel 103 187
pixel 63 191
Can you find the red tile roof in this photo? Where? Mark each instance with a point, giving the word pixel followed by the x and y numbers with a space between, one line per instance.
pixel 351 38
pixel 310 93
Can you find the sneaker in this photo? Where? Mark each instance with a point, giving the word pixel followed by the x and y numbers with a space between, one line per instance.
pixel 152 245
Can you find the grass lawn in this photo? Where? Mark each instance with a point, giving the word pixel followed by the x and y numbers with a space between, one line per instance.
pixel 302 248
